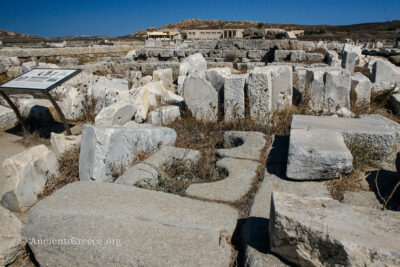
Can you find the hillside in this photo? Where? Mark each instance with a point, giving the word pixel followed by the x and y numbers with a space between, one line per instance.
pixel 364 31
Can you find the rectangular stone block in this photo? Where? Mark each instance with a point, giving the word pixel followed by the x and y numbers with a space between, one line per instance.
pixel 260 94
pixel 234 97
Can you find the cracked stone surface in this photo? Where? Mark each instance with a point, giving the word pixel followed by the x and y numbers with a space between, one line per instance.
pixel 241 174
pixel 149 228
pixel 244 145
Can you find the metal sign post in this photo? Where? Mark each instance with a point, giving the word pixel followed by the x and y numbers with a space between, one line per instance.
pixel 41 80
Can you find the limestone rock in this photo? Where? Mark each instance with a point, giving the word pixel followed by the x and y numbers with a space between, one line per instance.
pixel 217 76
pixel 68 61
pixel 143 227
pixel 241 174
pixel 234 97
pixel 103 148
pixel 164 75
pixel 384 71
pixel 38 109
pixel 200 97
pixel 116 114
pixel 312 231
pixel 27 66
pixel 148 170
pixel 7 117
pixel 282 86
pixel 10 237
pixel 26 175
pixel 260 94
pixel 193 63
pixel 62 144
pixel 361 89
pixel 164 115
pixel 349 60
pixel 317 147
pixel 145 80
pixel 242 145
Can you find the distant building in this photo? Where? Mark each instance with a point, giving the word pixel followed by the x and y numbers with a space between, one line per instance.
pixel 162 35
pixel 214 34
pixel 298 32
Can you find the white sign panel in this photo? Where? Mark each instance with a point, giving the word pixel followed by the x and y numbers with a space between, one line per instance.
pixel 40 79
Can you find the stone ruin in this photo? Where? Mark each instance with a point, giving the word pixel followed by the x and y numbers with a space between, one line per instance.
pixel 292 218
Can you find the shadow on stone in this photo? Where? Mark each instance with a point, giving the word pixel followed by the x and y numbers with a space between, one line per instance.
pixel 385 181
pixel 276 163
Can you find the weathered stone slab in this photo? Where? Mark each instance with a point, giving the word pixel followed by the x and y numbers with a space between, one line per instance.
pixel 7 117
pixel 361 89
pixel 26 175
pixel 349 60
pixel 115 114
pixel 317 147
pixel 327 89
pixel 318 231
pixel 200 97
pixel 148 228
pixel 105 147
pixel 384 71
pixel 242 145
pixel 217 76
pixel 148 170
pixel 241 174
pixel 10 237
pixel 38 109
pixel 234 97
pixel 62 144
pixel 164 115
pixel 164 75
pixel 282 86
pixel 260 94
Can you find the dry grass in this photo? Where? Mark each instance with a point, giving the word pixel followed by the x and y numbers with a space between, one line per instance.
pixel 351 182
pixel 33 139
pixel 365 157
pixel 380 104
pixel 117 169
pixel 177 175
pixel 68 173
pixel 89 105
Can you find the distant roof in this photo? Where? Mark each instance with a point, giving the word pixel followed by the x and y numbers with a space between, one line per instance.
pixel 157 33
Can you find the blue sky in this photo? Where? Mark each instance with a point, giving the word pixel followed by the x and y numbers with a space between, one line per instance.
pixel 119 17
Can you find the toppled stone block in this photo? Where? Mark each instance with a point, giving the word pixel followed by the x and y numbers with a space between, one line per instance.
pixel 255 237
pixel 10 237
pixel 361 90
pixel 217 76
pixel 148 170
pixel 62 144
pixel 254 54
pixel 317 154
pixel 200 97
pixel 193 63
pixel 146 227
pixel 164 115
pixel 103 148
pixel 307 231
pixel 317 147
pixel 27 66
pixel 242 145
pixel 314 57
pixel 164 75
pixel 69 61
pixel 7 117
pixel 384 71
pixel 26 175
pixel 241 175
pixel 234 97
pixel 116 114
